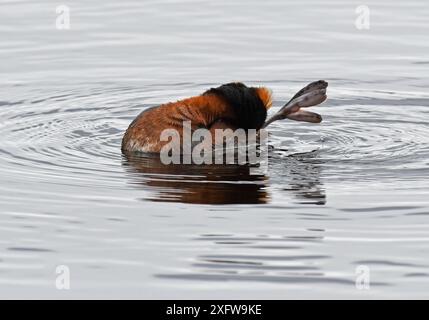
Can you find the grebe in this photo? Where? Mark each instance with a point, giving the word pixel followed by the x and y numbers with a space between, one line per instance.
pixel 230 106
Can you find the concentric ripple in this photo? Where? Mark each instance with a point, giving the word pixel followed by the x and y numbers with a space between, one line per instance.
pixel 366 138
pixel 73 138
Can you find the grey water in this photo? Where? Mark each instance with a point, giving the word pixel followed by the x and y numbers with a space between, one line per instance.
pixel 346 195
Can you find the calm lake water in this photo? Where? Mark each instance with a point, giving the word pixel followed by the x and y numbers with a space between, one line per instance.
pixel 350 193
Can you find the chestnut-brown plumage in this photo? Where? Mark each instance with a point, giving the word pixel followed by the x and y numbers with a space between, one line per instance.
pixel 232 105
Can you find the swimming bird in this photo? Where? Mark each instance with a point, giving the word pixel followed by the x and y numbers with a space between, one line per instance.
pixel 230 106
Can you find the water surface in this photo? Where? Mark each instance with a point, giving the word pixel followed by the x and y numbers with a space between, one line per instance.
pixel 352 191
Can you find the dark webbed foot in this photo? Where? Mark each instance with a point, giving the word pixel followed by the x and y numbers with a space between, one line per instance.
pixel 311 95
pixel 316 85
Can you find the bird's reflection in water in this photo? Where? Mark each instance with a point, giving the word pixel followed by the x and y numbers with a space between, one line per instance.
pixel 226 184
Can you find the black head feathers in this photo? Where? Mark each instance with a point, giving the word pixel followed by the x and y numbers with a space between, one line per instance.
pixel 249 109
